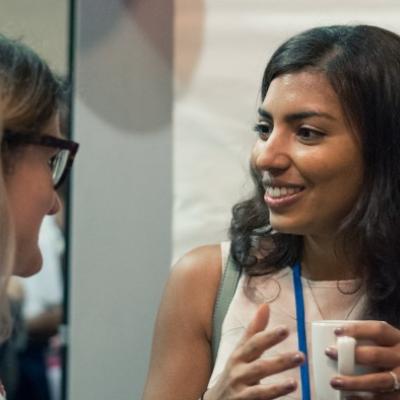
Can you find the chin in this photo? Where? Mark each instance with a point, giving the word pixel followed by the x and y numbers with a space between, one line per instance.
pixel 28 267
pixel 285 230
pixel 288 227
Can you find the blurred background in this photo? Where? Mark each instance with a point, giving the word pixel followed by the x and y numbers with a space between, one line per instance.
pixel 163 98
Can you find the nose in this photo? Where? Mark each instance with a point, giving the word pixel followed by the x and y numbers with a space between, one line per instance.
pixel 273 154
pixel 56 206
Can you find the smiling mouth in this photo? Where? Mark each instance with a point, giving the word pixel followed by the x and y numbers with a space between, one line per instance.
pixel 275 192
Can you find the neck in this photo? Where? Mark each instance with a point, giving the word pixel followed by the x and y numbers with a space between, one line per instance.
pixel 324 259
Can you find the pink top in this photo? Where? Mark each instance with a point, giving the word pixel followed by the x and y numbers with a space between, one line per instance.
pixel 322 300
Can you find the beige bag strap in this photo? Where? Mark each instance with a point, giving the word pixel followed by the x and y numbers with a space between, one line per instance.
pixel 225 294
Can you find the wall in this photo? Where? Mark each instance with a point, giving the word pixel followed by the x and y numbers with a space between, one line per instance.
pixel 122 201
pixel 41 24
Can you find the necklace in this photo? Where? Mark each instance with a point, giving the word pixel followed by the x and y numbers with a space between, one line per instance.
pixel 352 306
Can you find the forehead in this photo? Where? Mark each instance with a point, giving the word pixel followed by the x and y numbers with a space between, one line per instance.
pixel 302 90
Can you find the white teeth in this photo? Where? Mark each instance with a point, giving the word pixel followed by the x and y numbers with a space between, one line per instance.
pixel 276 192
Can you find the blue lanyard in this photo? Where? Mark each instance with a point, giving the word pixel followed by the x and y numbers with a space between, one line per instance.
pixel 301 330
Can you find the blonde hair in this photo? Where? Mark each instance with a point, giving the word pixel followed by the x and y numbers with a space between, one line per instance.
pixel 7 251
pixel 30 95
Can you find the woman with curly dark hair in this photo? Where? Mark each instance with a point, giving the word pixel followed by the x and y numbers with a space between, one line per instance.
pixel 325 215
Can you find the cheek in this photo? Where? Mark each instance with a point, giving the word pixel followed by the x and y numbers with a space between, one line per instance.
pixel 27 222
pixel 336 183
pixel 330 165
pixel 28 201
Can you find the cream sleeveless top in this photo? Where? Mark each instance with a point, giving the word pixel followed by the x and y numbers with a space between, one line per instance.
pixel 322 300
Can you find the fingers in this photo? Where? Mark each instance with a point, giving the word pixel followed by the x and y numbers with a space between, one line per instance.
pixel 256 345
pixel 258 323
pixel 245 368
pixel 374 356
pixel 256 338
pixel 384 355
pixel 378 331
pixel 261 392
pixel 376 382
pixel 253 372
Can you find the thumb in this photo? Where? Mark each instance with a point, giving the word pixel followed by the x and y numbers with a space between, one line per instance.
pixel 259 321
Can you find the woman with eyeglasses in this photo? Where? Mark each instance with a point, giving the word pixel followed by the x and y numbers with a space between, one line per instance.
pixel 35 160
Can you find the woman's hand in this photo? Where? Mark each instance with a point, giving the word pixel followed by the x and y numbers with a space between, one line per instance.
pixel 244 369
pixel 384 357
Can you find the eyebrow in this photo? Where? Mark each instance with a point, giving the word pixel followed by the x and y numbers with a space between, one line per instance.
pixel 296 116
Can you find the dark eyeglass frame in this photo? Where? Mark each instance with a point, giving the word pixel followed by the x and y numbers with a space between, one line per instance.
pixel 11 137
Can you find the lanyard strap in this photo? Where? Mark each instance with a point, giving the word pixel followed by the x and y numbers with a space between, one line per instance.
pixel 301 330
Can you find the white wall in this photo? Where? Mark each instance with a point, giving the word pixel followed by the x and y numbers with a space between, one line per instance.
pixel 41 24
pixel 122 198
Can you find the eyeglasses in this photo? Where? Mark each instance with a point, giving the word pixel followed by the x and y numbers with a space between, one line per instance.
pixel 60 163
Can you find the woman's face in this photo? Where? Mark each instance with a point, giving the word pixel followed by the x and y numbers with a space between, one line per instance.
pixel 308 156
pixel 31 196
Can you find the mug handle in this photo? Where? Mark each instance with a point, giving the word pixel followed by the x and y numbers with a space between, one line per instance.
pixel 346 355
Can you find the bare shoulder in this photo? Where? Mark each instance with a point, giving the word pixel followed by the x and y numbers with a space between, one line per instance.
pixel 181 343
pixel 202 263
pixel 195 280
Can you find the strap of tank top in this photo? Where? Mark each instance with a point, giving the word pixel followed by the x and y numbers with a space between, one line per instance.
pixel 225 294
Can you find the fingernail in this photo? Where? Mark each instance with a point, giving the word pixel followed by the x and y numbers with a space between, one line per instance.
pixel 337 382
pixel 331 351
pixel 298 358
pixel 281 331
pixel 339 331
pixel 290 384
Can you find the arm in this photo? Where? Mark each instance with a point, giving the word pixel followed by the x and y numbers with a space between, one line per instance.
pixel 181 356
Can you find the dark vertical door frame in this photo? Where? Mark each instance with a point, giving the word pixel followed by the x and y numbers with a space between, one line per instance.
pixel 68 201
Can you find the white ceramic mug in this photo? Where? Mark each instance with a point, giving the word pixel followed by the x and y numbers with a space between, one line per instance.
pixel 324 368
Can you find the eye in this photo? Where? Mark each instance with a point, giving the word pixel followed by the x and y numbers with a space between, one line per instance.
pixel 52 161
pixel 263 130
pixel 309 135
